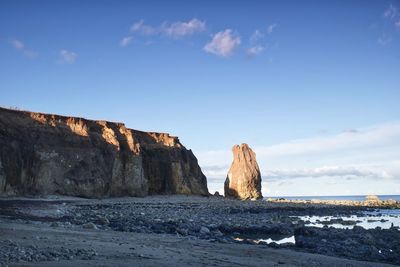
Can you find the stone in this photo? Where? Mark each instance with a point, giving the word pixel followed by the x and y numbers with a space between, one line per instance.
pixel 204 230
pixel 182 231
pixel 42 154
pixel 244 178
pixel 103 221
pixel 54 224
pixel 89 226
pixel 218 233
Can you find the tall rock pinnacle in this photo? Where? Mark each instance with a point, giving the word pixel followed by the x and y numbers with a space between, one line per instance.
pixel 244 178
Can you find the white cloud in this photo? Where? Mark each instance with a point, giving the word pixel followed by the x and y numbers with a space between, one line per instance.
pixel 329 186
pixel 271 28
pixel 391 12
pixel 137 26
pixel 255 47
pixel 256 36
pixel 68 56
pixel 126 41
pixel 392 15
pixel 215 170
pixel 356 156
pixel 255 50
pixel 223 43
pixel 328 171
pixel 315 181
pixel 379 135
pixel 180 29
pixel 20 46
pixel 346 171
pixel 142 28
pixel 175 29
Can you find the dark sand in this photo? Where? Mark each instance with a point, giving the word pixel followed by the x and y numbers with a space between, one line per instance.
pixel 136 249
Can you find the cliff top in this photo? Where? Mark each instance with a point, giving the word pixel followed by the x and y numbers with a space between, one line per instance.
pixel 33 114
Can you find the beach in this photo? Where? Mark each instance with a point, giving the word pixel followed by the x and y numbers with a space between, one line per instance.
pixel 187 230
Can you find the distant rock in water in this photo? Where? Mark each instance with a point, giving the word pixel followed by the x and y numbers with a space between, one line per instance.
pixel 217 194
pixel 244 178
pixel 51 154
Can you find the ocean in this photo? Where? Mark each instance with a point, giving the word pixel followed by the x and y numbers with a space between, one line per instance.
pixel 354 198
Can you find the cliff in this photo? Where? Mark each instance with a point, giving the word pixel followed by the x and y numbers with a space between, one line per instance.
pixel 52 154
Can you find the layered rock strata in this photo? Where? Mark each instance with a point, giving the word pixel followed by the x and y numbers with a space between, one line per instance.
pixel 52 154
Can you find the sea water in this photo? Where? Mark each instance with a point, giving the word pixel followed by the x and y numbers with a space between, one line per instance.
pixel 353 198
pixel 289 240
pixel 383 218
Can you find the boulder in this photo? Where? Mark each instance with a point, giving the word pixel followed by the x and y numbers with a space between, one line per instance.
pixel 244 178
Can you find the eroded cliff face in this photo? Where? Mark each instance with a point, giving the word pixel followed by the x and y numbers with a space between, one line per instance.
pixel 51 154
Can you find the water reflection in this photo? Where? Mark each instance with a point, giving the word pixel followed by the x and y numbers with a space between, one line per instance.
pixel 368 220
pixel 267 239
pixel 279 241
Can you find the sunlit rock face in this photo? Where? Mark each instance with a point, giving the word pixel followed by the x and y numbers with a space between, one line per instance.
pixel 51 154
pixel 244 179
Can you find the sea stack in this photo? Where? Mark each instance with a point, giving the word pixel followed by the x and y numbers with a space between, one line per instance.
pixel 244 178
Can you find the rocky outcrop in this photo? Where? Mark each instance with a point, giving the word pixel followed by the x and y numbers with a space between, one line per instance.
pixel 51 154
pixel 244 178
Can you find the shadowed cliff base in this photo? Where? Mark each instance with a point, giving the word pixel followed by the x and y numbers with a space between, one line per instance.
pixel 51 154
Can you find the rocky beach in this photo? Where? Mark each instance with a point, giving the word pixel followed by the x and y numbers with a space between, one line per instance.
pixel 189 230
pixel 87 192
pixel 199 133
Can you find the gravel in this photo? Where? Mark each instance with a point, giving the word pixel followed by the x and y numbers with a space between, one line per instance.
pixel 12 252
pixel 215 219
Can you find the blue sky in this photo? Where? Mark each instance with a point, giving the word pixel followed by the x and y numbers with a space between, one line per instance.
pixel 278 75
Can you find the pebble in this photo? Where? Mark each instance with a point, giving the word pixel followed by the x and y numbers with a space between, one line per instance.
pixel 89 226
pixel 204 230
pixel 11 252
pixel 104 221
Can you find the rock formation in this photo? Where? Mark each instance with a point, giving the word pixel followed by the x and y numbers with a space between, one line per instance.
pixel 51 154
pixel 244 178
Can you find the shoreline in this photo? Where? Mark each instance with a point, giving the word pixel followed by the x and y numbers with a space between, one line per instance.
pixel 376 203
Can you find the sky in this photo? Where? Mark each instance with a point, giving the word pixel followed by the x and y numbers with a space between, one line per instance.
pixel 312 86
